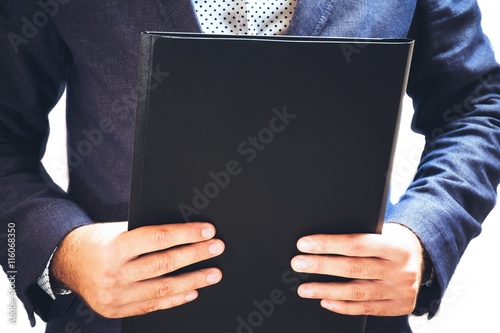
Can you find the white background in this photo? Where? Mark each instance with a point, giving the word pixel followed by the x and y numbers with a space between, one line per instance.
pixel 471 302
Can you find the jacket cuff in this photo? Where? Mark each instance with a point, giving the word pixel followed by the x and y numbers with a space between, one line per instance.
pixel 428 220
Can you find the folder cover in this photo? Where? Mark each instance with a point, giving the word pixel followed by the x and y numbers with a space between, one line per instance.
pixel 269 138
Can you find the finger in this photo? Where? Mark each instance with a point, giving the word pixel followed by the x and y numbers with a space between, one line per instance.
pixel 370 308
pixel 145 307
pixel 357 290
pixel 165 287
pixel 159 237
pixel 348 267
pixel 160 263
pixel 355 245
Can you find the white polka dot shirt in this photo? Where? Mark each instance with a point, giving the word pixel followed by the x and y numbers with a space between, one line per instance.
pixel 244 17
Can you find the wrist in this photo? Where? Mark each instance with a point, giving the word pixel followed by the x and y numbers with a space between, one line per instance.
pixel 426 266
pixel 60 269
pixel 58 288
pixel 49 284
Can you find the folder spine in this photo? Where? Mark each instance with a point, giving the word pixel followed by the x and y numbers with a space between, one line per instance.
pixel 144 83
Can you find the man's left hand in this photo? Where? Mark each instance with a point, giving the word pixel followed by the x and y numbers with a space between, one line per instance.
pixel 386 271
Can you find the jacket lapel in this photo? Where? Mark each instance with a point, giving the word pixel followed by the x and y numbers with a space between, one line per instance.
pixel 348 18
pixel 179 15
pixel 310 17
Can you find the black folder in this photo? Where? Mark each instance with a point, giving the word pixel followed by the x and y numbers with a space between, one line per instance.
pixel 269 138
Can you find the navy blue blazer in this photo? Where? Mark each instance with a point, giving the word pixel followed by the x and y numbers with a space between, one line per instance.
pixel 91 48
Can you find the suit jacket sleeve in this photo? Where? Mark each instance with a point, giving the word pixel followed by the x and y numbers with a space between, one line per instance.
pixel 33 66
pixel 455 86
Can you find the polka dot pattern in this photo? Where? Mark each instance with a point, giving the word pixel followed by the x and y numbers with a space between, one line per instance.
pixel 244 17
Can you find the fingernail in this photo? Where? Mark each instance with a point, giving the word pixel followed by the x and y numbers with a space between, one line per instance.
pixel 306 292
pixel 328 305
pixel 306 244
pixel 208 232
pixel 216 248
pixel 214 277
pixel 300 264
pixel 191 296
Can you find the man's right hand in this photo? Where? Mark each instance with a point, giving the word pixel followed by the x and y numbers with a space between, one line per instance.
pixel 120 273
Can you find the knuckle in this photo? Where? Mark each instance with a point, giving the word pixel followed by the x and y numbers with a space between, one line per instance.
pixel 197 254
pixel 148 307
pixel 106 300
pixel 166 263
pixel 368 310
pixel 109 280
pixel 356 246
pixel 151 306
pixel 165 289
pixel 162 237
pixel 354 269
pixel 358 294
pixel 405 254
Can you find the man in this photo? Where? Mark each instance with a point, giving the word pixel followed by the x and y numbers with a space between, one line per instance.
pixel 92 48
